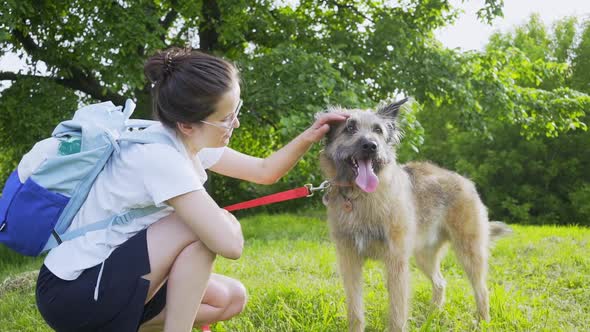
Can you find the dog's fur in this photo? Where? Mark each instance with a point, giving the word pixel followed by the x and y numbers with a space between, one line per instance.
pixel 416 208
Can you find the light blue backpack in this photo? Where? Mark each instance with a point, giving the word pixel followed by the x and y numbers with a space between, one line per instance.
pixel 42 196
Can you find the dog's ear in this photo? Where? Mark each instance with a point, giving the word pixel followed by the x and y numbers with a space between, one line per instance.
pixel 390 111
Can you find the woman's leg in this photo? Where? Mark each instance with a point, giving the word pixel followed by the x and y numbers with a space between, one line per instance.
pixel 177 255
pixel 224 298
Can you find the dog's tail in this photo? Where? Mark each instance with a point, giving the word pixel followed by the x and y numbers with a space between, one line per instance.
pixel 498 229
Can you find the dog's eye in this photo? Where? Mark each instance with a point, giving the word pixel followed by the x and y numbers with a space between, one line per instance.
pixel 351 128
pixel 378 130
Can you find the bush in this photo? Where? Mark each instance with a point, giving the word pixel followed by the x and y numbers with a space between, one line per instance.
pixel 539 180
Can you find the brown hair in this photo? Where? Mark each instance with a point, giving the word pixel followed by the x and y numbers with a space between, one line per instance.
pixel 187 84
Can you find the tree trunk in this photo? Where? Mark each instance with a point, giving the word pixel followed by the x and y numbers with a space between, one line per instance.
pixel 143 101
pixel 210 19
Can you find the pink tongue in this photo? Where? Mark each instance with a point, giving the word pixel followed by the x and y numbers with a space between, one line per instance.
pixel 366 178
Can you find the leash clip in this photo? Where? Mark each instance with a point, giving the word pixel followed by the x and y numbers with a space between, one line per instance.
pixel 323 186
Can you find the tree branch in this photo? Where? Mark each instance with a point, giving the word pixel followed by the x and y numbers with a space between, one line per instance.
pixel 166 23
pixel 81 79
pixel 208 35
pixel 93 88
pixel 87 86
pixel 351 8
pixel 10 76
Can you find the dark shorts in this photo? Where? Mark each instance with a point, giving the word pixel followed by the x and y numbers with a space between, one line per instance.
pixel 70 305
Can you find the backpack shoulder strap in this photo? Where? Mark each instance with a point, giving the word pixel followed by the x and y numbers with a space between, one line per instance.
pixel 146 137
pixel 135 132
pixel 120 219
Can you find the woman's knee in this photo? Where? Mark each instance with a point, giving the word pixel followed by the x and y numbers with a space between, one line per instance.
pixel 241 295
pixel 169 238
pixel 238 299
pixel 168 241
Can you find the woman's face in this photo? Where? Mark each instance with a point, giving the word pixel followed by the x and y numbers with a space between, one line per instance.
pixel 215 130
pixel 219 126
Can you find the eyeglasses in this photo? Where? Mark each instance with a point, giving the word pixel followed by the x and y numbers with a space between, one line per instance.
pixel 227 124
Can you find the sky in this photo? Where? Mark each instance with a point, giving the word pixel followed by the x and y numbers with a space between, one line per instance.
pixel 467 33
pixel 470 34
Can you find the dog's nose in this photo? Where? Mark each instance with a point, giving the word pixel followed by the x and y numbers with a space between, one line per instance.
pixel 369 146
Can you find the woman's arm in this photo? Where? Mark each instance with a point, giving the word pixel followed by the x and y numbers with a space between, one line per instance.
pixel 219 230
pixel 270 169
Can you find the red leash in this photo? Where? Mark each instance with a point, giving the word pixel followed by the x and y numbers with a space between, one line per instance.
pixel 274 198
pixel 305 191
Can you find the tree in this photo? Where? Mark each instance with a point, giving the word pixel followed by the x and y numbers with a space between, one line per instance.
pixel 524 178
pixel 580 79
pixel 294 60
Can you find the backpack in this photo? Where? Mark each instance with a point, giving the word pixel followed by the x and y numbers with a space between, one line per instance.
pixel 44 193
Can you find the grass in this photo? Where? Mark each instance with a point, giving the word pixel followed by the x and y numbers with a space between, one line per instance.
pixel 538 281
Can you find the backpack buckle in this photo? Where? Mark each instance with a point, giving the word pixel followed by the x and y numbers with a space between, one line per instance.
pixel 2 226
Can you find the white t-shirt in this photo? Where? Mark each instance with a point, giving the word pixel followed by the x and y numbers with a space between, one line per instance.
pixel 140 175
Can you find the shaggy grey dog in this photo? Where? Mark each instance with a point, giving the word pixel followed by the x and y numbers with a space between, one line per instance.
pixel 381 210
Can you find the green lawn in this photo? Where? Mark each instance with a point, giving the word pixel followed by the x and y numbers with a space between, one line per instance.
pixel 539 281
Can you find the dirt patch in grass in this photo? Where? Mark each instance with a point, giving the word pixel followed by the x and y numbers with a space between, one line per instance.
pixel 19 282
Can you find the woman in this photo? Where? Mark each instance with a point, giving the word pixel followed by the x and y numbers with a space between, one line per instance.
pixel 154 273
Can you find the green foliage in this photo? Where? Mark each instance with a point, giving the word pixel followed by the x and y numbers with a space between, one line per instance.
pixel 537 180
pixel 581 61
pixel 295 60
pixel 523 177
pixel 102 36
pixel 491 10
pixel 563 42
pixel 289 269
pixel 580 197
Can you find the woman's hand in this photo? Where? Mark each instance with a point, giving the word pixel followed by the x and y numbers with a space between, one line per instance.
pixel 321 126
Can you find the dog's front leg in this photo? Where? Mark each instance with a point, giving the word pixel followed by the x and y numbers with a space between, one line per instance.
pixel 398 286
pixel 351 265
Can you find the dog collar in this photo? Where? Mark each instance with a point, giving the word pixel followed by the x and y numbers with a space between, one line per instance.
pixel 347 206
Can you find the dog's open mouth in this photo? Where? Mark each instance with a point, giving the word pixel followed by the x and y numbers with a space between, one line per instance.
pixel 365 177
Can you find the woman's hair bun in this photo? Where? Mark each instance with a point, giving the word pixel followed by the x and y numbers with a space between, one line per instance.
pixel 162 64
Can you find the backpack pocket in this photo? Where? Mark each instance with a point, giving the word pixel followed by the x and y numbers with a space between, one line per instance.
pixel 11 188
pixel 30 214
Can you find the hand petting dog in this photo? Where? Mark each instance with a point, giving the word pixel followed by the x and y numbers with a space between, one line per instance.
pixel 321 126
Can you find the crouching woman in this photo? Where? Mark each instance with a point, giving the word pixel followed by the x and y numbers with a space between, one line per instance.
pixel 155 273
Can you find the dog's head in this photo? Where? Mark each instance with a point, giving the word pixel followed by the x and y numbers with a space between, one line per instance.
pixel 357 149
